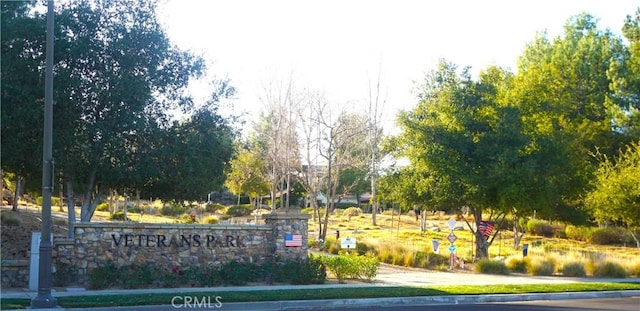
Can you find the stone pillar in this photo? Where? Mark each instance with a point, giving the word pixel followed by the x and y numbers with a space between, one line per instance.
pixel 282 224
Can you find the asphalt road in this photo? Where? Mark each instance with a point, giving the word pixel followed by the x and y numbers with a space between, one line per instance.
pixel 609 304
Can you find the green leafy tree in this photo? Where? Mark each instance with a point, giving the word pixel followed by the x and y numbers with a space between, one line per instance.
pixel 616 194
pixel 469 147
pixel 193 157
pixel 117 75
pixel 354 180
pixel 625 76
pixel 22 93
pixel 246 175
pixel 563 89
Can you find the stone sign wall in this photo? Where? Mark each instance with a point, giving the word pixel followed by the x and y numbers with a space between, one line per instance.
pixel 175 245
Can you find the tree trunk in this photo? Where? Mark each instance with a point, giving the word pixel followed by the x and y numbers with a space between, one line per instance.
pixel 18 192
pixel 482 247
pixel 274 189
pixel 288 203
pixel 633 235
pixel 372 201
pixel 71 210
pixel 124 208
pixel 518 233
pixel 61 194
pixel 90 200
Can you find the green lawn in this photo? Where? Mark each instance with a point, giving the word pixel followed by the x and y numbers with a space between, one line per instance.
pixel 327 293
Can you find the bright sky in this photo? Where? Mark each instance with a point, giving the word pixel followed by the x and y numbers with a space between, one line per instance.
pixel 337 46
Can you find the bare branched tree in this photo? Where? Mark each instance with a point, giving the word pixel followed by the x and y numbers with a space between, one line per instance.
pixel 376 106
pixel 277 138
pixel 343 145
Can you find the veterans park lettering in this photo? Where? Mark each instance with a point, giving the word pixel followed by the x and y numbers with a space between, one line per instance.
pixel 191 240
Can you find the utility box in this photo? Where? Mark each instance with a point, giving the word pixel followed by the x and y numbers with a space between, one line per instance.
pixel 34 262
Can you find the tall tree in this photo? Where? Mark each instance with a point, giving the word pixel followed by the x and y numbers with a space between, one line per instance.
pixel 310 174
pixel 376 108
pixel 625 76
pixel 342 146
pixel 246 175
pixel 616 193
pixel 117 74
pixel 277 137
pixel 193 158
pixel 470 145
pixel 22 92
pixel 563 88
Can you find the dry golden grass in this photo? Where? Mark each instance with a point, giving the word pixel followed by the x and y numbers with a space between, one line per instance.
pixel 405 234
pixel 398 238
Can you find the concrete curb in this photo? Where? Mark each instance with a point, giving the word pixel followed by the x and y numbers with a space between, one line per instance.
pixel 327 304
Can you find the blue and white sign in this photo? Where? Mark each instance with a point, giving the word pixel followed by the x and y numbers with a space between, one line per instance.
pixel 452 248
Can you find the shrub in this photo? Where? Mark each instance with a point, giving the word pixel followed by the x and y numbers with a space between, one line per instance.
pixel 138 275
pixel 214 207
pixel 185 219
pixel 578 233
pixel 634 269
pixel 341 266
pixel 367 267
pixel 210 220
pixel 609 235
pixel 491 267
pixel 239 273
pixel 352 266
pixel 332 246
pixel 65 274
pixel 103 276
pixel 574 269
pixel 239 210
pixel 134 209
pixel 409 259
pixel 540 227
pixel 362 248
pixel 117 216
pixel 9 220
pixel 609 270
pixel 313 271
pixel 518 265
pixel 172 209
pixel 55 201
pixel 209 277
pixel 542 268
pixel 103 207
pixel 435 260
pixel 352 211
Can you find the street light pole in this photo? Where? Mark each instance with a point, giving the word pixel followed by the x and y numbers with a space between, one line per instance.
pixel 44 298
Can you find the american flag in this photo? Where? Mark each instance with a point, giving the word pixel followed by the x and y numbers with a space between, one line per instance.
pixel 486 227
pixel 292 240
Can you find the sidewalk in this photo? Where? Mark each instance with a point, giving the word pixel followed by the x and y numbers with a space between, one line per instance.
pixel 388 276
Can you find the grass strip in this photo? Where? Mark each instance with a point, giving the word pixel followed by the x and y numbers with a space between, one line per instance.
pixel 322 293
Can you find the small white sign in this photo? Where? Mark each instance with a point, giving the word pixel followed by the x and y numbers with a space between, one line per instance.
pixel 349 243
pixel 452 223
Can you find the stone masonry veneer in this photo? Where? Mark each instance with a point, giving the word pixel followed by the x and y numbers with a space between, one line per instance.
pixel 180 245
